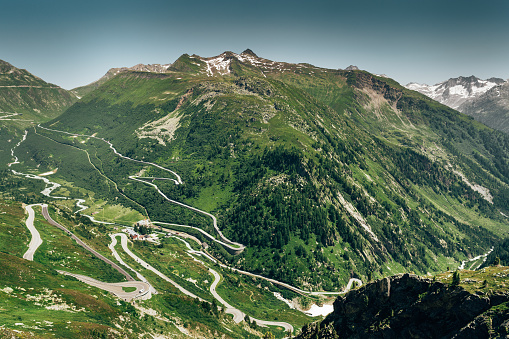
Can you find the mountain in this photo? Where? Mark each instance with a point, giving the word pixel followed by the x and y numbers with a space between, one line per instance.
pixel 25 100
pixel 322 174
pixel 486 101
pixel 456 92
pixel 22 92
pixel 154 68
pixel 491 108
pixel 408 306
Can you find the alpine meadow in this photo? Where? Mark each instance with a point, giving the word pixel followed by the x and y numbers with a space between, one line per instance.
pixel 261 189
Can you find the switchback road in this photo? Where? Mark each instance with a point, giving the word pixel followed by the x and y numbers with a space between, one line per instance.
pixel 123 241
pixel 36 240
pixel 85 246
pixel 142 288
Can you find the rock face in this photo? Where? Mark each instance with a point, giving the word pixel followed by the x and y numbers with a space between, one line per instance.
pixel 491 108
pixel 456 92
pixel 407 306
pixel 352 68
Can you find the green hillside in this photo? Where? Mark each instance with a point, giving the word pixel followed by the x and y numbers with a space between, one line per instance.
pixel 322 174
pixel 25 100
pixel 22 92
pixel 37 301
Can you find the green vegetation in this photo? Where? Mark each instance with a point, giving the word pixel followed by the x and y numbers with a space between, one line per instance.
pixel 455 279
pixel 292 164
pixel 323 174
pixel 35 298
pixel 129 289
pixel 256 298
pixel 37 100
pixel 500 254
pixel 491 279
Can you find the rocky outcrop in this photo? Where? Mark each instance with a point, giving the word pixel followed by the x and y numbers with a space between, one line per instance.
pixel 408 306
pixel 491 108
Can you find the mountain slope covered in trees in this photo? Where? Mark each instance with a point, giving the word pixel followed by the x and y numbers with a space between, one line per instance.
pixel 323 174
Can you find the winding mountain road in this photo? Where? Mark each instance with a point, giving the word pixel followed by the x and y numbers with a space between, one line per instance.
pixel 123 239
pixel 228 244
pixel 142 289
pixel 84 245
pixel 236 245
pixel 36 240
pixel 237 314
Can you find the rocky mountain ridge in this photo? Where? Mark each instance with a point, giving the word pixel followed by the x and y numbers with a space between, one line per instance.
pixel 152 68
pixel 322 174
pixel 491 108
pixel 405 306
pixel 456 92
pixel 25 93
pixel 351 146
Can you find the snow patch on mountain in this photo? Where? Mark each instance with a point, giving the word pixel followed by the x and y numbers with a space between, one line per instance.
pixel 456 91
pixel 221 64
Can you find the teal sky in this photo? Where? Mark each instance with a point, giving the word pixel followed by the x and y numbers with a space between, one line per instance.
pixel 72 43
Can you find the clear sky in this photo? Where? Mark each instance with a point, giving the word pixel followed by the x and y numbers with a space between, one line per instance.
pixel 72 43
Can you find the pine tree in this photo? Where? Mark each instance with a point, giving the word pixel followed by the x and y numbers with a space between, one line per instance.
pixel 455 279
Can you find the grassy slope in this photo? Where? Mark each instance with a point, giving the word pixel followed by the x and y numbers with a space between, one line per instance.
pixel 29 291
pixel 267 113
pixel 353 133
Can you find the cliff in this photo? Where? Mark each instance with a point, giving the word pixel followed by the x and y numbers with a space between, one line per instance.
pixel 408 306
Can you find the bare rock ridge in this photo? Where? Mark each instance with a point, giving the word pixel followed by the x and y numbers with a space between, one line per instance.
pixel 457 91
pixel 408 306
pixel 484 100
pixel 352 68
pixel 491 108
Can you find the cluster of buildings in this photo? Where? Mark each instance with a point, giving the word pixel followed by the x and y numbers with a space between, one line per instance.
pixel 137 236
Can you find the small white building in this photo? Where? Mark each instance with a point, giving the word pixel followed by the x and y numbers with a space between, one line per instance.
pixel 144 222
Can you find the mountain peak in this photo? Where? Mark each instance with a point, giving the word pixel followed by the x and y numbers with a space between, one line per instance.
pixel 352 68
pixel 249 52
pixel 454 92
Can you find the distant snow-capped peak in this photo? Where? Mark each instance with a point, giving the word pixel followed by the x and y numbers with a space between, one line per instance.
pixel 456 91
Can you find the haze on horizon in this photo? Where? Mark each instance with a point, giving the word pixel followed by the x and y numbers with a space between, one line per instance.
pixel 72 44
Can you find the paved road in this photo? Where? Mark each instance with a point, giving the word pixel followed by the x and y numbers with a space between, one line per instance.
pixel 224 240
pixel 227 247
pixel 111 246
pixel 177 181
pixel 142 288
pixel 236 248
pixel 123 238
pixel 238 315
pixel 36 240
pixel 230 246
pixel 85 246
